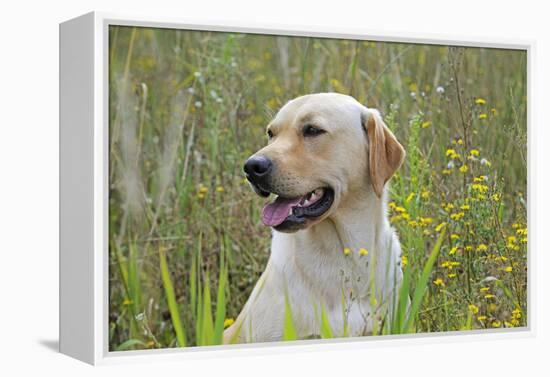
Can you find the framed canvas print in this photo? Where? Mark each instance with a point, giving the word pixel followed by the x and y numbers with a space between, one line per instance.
pixel 230 188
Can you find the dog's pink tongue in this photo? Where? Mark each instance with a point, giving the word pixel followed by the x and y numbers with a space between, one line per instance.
pixel 275 213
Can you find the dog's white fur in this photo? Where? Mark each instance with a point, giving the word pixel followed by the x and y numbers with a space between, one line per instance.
pixel 307 270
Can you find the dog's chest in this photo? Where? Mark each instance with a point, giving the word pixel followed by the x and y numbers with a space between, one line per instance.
pixel 320 273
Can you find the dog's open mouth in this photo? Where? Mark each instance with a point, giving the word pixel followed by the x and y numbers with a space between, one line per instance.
pixel 291 213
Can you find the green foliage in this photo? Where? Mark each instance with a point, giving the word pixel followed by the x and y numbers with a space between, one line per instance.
pixel 289 330
pixel 326 330
pixel 171 298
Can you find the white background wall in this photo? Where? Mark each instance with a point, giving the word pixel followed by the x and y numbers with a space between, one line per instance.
pixel 29 184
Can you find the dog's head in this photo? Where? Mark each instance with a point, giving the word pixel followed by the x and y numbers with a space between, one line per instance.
pixel 323 148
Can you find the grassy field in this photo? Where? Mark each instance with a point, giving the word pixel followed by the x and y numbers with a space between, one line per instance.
pixel 186 243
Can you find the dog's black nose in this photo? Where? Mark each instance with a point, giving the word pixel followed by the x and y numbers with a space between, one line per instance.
pixel 257 167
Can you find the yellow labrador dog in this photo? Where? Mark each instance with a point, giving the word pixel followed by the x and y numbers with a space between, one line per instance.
pixel 333 255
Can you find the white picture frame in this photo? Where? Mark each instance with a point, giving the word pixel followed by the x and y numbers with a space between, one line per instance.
pixel 84 188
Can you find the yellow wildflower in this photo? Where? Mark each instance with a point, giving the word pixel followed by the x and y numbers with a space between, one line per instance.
pixel 394 219
pixel 200 195
pixel 410 197
pixel 488 296
pixel 454 236
pixel 425 194
pixel 440 227
pixel 481 318
pixel 446 171
pixel 474 152
pixel 450 264
pixel 426 124
pixel 484 289
pixel 228 322
pixel 426 221
pixel 404 260
pixel 363 251
pixel 457 216
pixel 465 207
pixel 439 282
pixel 494 111
pixel 203 189
pixel 347 250
pixel 508 269
pixel 521 232
pixel 448 206
pixel 452 154
pixel 473 309
pixel 453 275
pixel 220 189
pixel 496 323
pixel 453 250
pixel 480 188
pixel 482 116
pixel 400 209
pixel 463 168
pixel 460 141
pixel 480 101
pixel 482 247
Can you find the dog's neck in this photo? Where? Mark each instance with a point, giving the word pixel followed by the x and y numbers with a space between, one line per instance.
pixel 359 224
pixel 355 225
pixel 332 248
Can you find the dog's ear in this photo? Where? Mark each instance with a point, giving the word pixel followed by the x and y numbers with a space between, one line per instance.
pixel 386 154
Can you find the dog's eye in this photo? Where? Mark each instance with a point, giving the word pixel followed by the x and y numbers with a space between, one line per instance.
pixel 310 130
pixel 269 134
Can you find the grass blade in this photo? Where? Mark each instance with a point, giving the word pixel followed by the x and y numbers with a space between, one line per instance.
pixel 220 303
pixel 402 303
pixel 422 283
pixel 129 344
pixel 193 284
pixel 171 298
pixel 289 330
pixel 326 330
pixel 207 330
